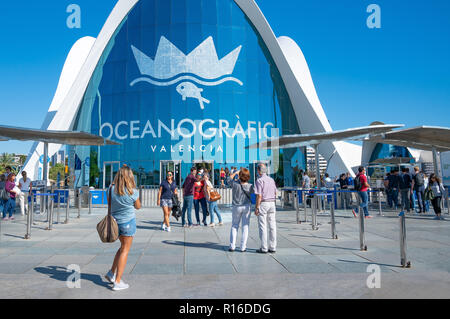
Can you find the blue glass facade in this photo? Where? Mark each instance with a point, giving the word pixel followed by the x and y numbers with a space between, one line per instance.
pixel 186 80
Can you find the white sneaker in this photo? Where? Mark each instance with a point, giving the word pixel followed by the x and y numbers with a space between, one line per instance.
pixel 120 286
pixel 110 277
pixel 168 229
pixel 212 225
pixel 163 227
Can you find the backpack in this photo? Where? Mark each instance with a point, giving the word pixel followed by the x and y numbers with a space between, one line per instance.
pixel 419 179
pixel 357 183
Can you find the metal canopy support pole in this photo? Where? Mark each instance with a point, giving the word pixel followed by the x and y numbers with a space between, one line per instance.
pixel 435 162
pixel 316 154
pixel 362 243
pixel 403 260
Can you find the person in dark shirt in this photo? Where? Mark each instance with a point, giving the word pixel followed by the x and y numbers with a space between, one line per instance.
pixel 394 186
pixel 188 197
pixel 405 189
pixel 345 195
pixel 167 190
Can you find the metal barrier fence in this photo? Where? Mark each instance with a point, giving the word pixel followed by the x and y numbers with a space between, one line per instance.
pixel 316 196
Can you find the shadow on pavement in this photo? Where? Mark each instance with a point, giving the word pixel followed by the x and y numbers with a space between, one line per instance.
pixel 369 263
pixel 62 274
pixel 196 245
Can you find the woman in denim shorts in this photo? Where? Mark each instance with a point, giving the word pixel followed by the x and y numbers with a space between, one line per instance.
pixel 167 189
pixel 124 202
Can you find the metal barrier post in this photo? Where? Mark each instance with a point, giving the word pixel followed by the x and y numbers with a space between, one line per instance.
pixel 59 206
pixel 296 207
pixel 304 204
pixel 380 212
pixel 50 215
pixel 403 260
pixel 140 194
pixel 67 206
pixel 33 198
pixel 333 221
pixel 314 205
pixel 79 203
pixel 90 202
pixel 446 200
pixel 29 216
pixel 362 243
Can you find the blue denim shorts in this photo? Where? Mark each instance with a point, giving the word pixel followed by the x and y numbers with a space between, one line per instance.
pixel 166 203
pixel 128 229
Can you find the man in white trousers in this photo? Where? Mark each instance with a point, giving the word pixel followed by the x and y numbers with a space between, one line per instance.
pixel 266 193
pixel 25 187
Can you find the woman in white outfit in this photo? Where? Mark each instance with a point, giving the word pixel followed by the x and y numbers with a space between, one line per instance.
pixel 242 204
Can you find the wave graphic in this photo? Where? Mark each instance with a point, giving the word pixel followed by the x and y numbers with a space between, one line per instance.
pixel 184 78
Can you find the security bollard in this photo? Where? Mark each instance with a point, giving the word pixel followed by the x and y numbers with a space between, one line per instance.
pixel 33 198
pixel 140 193
pixel 362 243
pixel 296 207
pixel 67 207
pixel 403 260
pixel 333 221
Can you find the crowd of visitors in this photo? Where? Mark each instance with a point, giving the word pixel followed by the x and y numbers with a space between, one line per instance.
pixel 402 188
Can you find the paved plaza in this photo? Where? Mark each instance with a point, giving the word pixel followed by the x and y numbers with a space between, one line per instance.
pixel 196 263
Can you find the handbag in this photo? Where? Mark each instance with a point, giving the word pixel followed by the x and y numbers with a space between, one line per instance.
pixel 4 195
pixel 429 195
pixel 107 228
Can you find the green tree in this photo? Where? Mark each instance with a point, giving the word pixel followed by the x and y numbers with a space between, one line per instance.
pixel 6 160
pixel 54 170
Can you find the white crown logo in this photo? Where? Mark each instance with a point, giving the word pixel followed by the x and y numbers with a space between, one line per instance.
pixel 171 66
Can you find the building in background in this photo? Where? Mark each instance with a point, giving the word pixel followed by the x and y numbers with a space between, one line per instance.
pixel 311 161
pixel 182 83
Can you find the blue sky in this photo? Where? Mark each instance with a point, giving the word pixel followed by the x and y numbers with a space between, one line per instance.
pixel 396 74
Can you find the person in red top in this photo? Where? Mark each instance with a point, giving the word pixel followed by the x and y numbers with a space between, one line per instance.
pixel 362 192
pixel 199 199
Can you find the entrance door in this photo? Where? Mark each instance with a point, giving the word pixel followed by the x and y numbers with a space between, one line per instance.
pixel 254 170
pixel 109 171
pixel 206 165
pixel 170 166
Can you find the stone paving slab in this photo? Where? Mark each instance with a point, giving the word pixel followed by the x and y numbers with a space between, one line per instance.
pixel 195 263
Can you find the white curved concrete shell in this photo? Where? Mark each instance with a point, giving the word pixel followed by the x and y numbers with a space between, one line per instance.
pixel 286 54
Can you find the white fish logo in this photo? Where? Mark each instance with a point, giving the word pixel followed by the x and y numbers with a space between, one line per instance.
pixel 202 66
pixel 188 89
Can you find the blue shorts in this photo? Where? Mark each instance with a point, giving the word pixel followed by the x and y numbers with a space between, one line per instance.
pixel 128 229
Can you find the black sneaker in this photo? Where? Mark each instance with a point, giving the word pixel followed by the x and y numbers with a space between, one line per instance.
pixel 230 250
pixel 261 251
pixel 272 251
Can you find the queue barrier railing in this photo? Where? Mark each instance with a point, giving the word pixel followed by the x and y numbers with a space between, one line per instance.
pixel 301 196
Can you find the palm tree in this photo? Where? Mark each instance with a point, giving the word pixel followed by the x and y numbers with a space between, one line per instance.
pixel 6 160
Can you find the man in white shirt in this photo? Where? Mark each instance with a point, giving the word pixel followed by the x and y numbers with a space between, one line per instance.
pixel 26 187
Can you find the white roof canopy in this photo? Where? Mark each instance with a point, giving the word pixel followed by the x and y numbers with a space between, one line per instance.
pixel 299 140
pixel 56 137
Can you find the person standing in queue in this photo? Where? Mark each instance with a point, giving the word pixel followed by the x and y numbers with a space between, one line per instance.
pixel 199 199
pixel 167 190
pixel 188 198
pixel 266 194
pixel 124 202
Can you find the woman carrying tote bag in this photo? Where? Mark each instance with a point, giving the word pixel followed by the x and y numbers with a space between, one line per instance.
pixel 124 202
